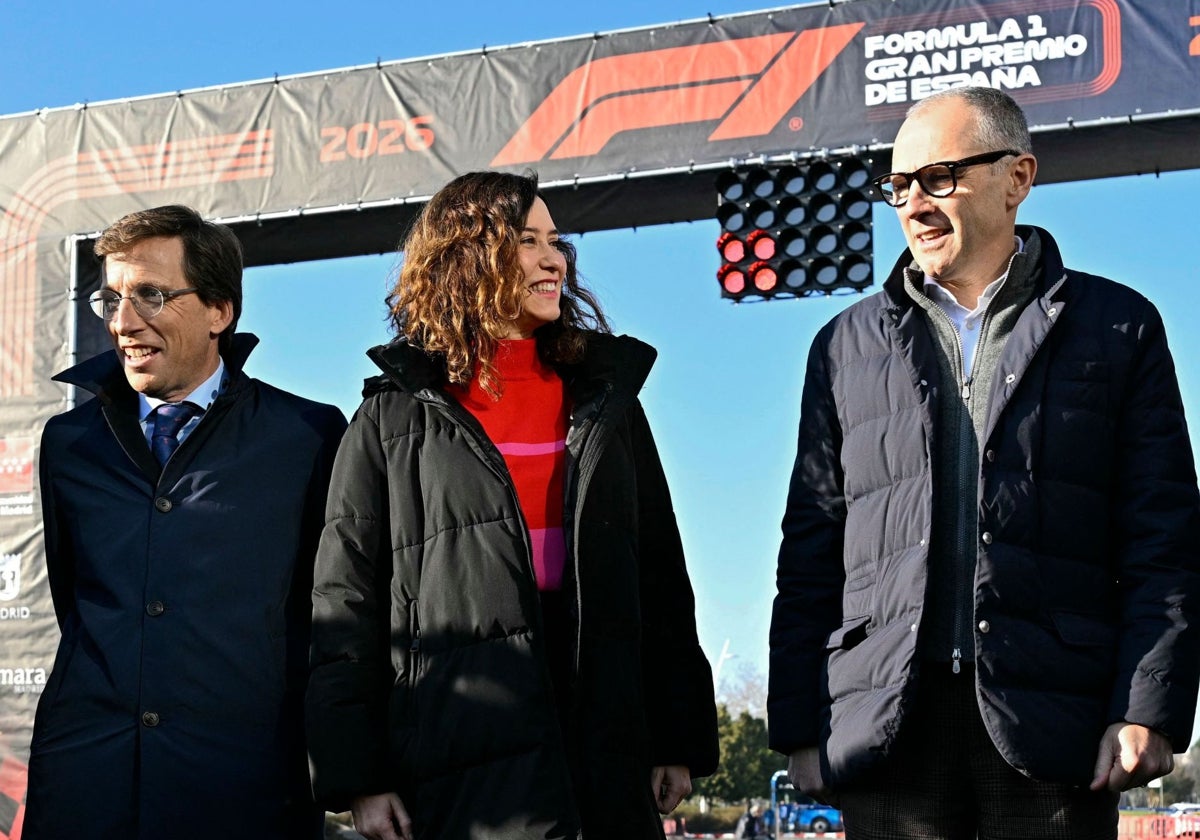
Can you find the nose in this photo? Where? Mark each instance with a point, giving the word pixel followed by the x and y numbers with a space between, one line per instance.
pixel 126 319
pixel 553 258
pixel 919 202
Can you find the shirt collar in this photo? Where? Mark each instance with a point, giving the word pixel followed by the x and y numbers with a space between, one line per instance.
pixel 203 396
pixel 942 295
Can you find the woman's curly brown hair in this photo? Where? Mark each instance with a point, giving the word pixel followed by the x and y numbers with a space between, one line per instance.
pixel 461 284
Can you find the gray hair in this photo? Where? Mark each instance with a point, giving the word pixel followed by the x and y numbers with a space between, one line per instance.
pixel 1001 123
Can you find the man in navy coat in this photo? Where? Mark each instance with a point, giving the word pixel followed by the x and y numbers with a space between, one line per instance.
pixel 988 618
pixel 182 508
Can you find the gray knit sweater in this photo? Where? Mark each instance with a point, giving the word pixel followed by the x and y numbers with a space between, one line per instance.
pixel 947 634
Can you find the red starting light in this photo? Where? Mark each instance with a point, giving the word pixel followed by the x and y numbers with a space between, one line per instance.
pixel 732 279
pixel 732 249
pixel 763 276
pixel 762 244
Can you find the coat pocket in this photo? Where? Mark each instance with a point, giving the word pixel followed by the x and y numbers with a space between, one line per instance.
pixel 849 635
pixel 847 669
pixel 1082 630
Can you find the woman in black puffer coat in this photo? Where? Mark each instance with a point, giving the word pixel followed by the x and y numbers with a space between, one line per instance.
pixel 474 675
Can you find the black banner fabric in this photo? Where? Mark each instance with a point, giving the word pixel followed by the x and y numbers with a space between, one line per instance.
pixel 623 126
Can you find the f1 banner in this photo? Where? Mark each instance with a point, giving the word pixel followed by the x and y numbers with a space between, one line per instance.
pixel 625 128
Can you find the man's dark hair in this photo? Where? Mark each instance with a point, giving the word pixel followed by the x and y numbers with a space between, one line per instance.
pixel 212 254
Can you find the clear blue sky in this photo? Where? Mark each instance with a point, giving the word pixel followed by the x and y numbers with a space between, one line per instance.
pixel 724 396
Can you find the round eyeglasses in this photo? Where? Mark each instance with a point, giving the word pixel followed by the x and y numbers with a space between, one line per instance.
pixel 148 301
pixel 938 179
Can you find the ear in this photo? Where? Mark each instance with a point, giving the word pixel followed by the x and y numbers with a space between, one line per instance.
pixel 220 317
pixel 1021 174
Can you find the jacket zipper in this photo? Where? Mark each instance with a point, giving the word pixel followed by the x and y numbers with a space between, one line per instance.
pixel 967 489
pixel 414 644
pixel 587 466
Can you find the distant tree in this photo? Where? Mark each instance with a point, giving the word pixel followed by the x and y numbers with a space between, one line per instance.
pixel 1177 787
pixel 1183 785
pixel 745 690
pixel 747 764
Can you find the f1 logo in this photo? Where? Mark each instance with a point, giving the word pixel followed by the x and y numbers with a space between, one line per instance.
pixel 749 84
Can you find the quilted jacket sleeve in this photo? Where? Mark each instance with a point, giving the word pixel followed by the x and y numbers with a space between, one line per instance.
pixel 1157 523
pixel 810 572
pixel 351 672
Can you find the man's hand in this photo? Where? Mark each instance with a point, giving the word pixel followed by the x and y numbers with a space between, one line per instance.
pixel 381 817
pixel 1131 755
pixel 804 769
pixel 670 785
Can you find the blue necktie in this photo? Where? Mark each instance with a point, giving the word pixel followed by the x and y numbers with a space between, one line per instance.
pixel 168 420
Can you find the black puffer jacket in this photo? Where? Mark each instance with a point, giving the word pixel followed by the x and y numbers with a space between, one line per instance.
pixel 429 670
pixel 1086 584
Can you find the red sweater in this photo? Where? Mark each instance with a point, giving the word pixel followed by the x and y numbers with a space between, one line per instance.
pixel 529 427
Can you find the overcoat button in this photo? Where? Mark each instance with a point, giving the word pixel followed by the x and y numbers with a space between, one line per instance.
pixel 987 538
pixel 150 718
pixel 155 608
pixel 163 504
pixel 990 455
pixel 984 627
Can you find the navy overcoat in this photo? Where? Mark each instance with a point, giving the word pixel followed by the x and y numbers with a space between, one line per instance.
pixel 174 709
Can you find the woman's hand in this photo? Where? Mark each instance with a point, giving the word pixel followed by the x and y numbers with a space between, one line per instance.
pixel 381 816
pixel 670 785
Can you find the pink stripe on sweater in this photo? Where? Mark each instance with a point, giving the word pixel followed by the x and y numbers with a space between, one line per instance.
pixel 532 448
pixel 549 556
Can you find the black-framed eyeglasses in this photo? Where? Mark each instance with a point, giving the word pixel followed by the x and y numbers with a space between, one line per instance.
pixel 148 301
pixel 938 179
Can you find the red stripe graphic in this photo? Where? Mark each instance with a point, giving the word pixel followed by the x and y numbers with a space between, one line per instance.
pixel 647 110
pixel 105 172
pixel 760 78
pixel 564 112
pixel 788 79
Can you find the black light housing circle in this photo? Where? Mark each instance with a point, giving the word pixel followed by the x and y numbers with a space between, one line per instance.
pixel 823 208
pixel 823 176
pixel 824 239
pixel 855 173
pixel 825 272
pixel 759 183
pixel 855 205
pixel 730 186
pixel 856 236
pixel 731 216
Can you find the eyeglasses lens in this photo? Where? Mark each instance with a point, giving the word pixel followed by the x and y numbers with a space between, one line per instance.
pixel 936 179
pixel 147 301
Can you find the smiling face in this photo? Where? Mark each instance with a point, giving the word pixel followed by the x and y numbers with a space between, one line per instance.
pixel 170 355
pixel 544 267
pixel 965 239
